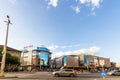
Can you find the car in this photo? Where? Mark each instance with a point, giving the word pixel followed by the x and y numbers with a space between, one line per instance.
pixel 114 72
pixel 111 72
pixel 65 72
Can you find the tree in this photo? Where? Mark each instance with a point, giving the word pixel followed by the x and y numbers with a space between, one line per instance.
pixel 10 59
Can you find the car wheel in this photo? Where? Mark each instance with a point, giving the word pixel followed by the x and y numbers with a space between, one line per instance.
pixel 56 75
pixel 71 75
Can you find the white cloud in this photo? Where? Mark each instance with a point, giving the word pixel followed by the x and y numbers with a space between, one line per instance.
pixel 53 47
pixel 12 1
pixel 76 9
pixel 84 1
pixel 58 54
pixel 63 46
pixel 92 50
pixel 95 2
pixel 92 4
pixel 54 3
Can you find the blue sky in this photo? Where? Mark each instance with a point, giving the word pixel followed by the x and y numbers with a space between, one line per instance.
pixel 64 26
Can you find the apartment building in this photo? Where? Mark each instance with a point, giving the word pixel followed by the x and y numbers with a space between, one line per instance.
pixel 12 51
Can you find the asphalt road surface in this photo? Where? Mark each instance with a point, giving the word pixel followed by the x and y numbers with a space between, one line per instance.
pixel 49 76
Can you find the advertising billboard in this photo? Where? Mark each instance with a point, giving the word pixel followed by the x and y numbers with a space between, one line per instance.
pixel 64 60
pixel 87 60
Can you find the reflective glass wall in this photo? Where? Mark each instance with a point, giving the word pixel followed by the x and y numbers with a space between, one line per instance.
pixel 44 58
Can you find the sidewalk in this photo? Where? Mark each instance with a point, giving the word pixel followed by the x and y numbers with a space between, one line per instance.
pixel 14 75
pixel 23 74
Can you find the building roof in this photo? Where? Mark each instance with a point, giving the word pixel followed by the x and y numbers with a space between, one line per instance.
pixel 43 49
pixel 9 48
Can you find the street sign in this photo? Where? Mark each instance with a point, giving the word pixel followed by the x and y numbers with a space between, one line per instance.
pixel 102 62
pixel 103 74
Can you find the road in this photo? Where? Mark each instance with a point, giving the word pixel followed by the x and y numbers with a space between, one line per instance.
pixel 49 76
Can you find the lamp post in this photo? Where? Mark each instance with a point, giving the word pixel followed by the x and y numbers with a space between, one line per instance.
pixel 5 48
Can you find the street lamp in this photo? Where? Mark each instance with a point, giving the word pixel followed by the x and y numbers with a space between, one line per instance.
pixel 5 48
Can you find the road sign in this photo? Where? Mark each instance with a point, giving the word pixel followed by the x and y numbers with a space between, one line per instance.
pixel 103 74
pixel 102 62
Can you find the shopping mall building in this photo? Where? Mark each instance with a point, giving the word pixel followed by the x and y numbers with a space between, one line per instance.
pixel 81 61
pixel 35 58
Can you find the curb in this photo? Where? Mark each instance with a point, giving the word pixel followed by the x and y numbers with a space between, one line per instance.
pixel 8 77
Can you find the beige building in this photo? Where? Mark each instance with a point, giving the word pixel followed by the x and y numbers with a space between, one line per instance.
pixel 58 62
pixel 94 60
pixel 68 60
pixel 72 60
pixel 118 65
pixel 82 60
pixel 12 51
pixel 34 61
pixel 106 61
pixel 86 61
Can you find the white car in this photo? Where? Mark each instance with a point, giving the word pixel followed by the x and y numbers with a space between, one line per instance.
pixel 65 72
pixel 111 72
pixel 114 72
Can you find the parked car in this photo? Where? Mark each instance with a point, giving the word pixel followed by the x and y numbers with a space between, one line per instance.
pixel 65 72
pixel 114 72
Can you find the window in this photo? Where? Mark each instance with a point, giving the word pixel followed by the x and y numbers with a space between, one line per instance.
pixel 68 70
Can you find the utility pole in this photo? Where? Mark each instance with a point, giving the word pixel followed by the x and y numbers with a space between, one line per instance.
pixel 5 49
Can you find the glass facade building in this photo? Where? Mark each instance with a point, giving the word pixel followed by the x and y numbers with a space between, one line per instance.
pixel 44 56
pixel 39 56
